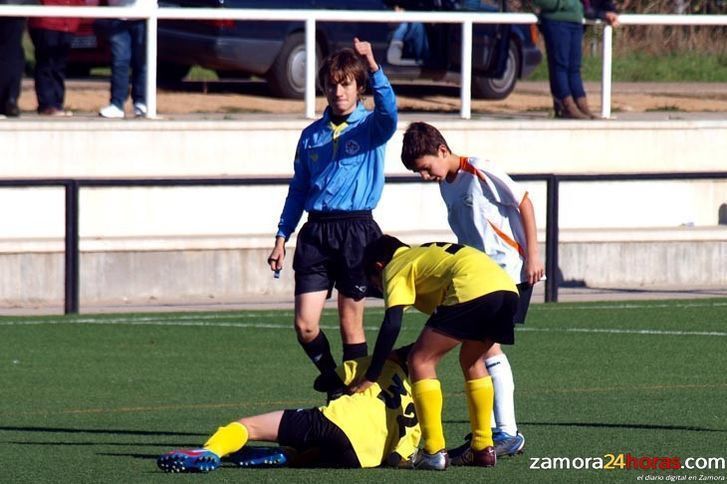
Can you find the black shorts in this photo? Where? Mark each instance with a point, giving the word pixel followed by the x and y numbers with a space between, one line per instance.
pixel 486 317
pixel 330 250
pixel 526 291
pixel 309 430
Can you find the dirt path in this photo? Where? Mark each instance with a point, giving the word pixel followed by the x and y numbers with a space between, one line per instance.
pixel 230 99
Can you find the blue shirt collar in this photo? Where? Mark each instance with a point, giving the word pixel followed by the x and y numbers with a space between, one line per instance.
pixel 357 114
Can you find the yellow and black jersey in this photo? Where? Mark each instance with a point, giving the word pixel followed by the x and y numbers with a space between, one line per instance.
pixel 380 420
pixel 440 273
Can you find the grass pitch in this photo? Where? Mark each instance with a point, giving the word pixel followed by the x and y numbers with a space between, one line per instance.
pixel 96 398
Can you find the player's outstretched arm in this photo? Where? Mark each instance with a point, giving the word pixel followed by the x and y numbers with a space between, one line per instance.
pixel 388 333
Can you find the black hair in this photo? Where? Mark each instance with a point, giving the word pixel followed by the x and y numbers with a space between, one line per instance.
pixel 382 251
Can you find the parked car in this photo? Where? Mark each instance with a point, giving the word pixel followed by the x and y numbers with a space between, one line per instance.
pixel 275 50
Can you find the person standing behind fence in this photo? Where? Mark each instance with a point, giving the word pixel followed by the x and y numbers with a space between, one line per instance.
pixel 12 62
pixel 127 39
pixel 52 38
pixel 561 22
pixel 338 179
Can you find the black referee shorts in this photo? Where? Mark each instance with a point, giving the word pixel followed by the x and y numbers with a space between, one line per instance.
pixel 486 317
pixel 308 429
pixel 329 252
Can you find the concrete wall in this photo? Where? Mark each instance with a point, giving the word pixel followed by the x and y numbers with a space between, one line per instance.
pixel 266 145
pixel 115 277
pixel 166 243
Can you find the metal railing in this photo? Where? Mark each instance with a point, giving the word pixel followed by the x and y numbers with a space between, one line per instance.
pixel 149 10
pixel 72 208
pixel 636 19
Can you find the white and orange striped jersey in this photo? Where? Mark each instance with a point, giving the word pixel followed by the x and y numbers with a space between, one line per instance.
pixel 483 209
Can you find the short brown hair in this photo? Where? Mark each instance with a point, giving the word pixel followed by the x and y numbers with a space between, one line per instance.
pixel 341 65
pixel 420 139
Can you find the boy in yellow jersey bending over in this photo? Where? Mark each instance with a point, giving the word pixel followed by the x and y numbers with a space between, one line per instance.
pixel 367 429
pixel 472 302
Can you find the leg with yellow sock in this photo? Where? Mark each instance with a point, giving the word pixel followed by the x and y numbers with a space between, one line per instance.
pixel 427 395
pixel 260 428
pixel 480 397
pixel 226 441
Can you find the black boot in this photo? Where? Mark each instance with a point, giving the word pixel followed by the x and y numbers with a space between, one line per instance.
pixel 11 108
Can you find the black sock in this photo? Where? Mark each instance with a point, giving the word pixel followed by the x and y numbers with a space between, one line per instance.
pixel 357 350
pixel 319 352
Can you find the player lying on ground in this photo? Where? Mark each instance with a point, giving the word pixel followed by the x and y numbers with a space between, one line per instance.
pixel 472 302
pixel 377 426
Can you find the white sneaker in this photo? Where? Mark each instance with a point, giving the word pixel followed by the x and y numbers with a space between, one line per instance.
pixel 112 112
pixel 438 461
pixel 140 110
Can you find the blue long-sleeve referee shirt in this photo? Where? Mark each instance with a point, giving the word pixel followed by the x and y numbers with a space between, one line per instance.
pixel 342 168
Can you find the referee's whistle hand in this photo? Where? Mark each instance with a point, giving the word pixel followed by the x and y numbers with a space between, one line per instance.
pixel 276 258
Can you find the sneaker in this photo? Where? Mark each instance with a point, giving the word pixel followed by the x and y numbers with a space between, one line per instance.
pixel 189 460
pixel 112 112
pixel 11 108
pixel 438 461
pixel 261 457
pixel 506 444
pixel 464 455
pixel 140 110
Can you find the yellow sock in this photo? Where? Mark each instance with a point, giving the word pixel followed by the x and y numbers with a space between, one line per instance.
pixel 480 399
pixel 228 439
pixel 428 403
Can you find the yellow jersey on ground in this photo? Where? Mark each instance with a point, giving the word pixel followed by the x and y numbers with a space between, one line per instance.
pixel 380 420
pixel 439 274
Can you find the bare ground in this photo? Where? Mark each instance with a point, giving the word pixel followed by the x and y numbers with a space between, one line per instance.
pixel 530 99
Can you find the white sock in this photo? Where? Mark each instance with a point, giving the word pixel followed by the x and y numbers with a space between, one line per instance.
pixel 504 409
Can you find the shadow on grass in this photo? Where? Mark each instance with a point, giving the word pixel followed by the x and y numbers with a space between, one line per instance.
pixel 132 455
pixel 177 445
pixel 96 431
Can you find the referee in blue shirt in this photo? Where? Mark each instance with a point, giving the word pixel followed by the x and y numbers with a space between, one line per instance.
pixel 338 179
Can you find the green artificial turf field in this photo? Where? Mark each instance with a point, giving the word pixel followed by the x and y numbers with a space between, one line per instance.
pixel 97 398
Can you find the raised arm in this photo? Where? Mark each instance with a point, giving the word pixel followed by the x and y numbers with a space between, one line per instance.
pixel 385 116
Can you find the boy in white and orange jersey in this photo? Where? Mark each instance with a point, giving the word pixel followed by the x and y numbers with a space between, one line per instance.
pixel 489 211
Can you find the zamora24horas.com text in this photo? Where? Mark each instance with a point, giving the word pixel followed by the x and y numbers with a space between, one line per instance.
pixel 628 461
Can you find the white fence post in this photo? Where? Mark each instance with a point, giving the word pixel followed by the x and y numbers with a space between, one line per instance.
pixel 151 59
pixel 466 82
pixel 606 71
pixel 310 67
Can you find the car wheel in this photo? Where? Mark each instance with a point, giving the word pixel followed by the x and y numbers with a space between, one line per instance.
pixel 489 88
pixel 168 73
pixel 286 77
